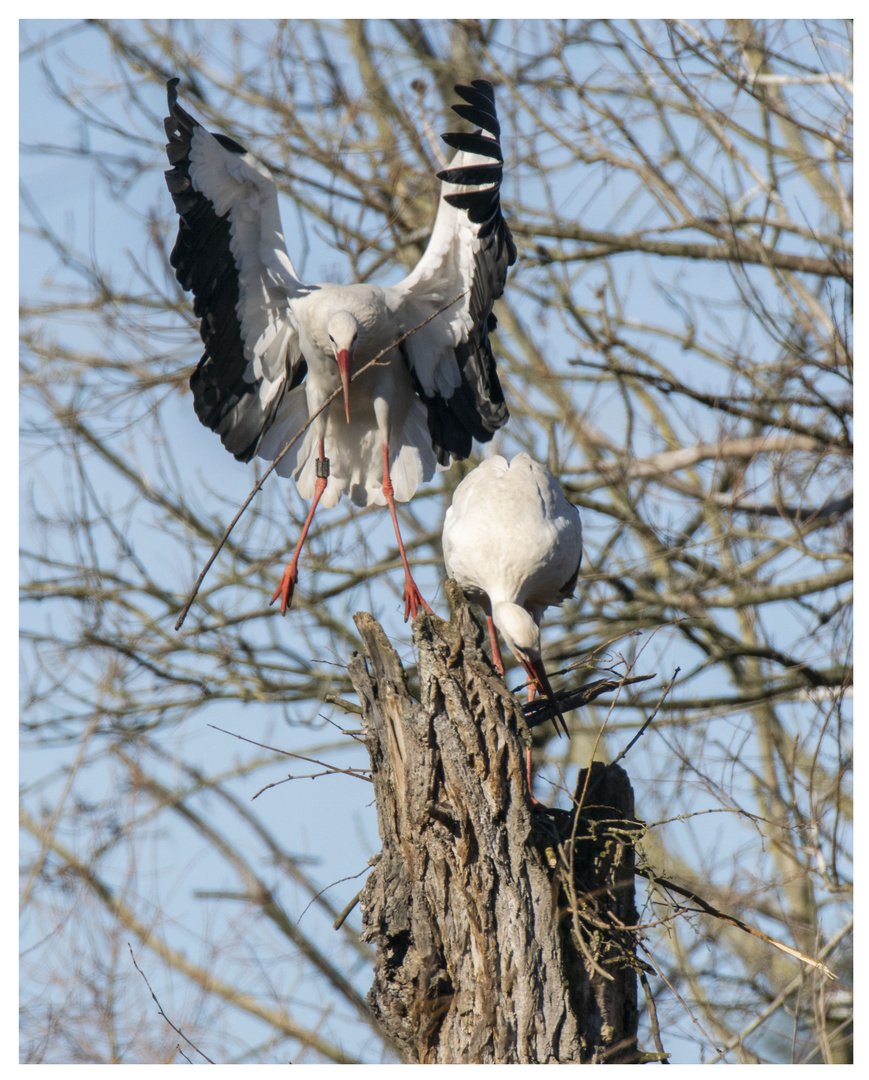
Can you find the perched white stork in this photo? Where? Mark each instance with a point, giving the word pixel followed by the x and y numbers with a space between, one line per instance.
pixel 514 544
pixel 276 349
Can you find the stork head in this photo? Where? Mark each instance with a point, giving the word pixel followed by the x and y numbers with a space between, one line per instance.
pixel 343 330
pixel 522 634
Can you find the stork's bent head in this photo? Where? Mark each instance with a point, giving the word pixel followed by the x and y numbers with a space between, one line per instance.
pixel 522 635
pixel 343 332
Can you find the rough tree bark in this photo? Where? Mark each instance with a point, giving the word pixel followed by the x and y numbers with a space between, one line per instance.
pixel 498 927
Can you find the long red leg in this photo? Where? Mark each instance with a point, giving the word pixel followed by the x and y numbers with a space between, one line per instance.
pixel 532 690
pixel 528 774
pixel 291 574
pixel 496 649
pixel 412 595
pixel 538 680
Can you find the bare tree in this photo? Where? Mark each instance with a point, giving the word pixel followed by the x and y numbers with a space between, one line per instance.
pixel 675 343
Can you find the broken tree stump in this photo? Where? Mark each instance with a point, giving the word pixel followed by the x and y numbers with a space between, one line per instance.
pixel 503 933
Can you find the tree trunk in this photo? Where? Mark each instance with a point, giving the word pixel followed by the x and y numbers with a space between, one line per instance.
pixel 499 927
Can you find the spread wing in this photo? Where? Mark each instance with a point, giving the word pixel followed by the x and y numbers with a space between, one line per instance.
pixel 470 249
pixel 230 252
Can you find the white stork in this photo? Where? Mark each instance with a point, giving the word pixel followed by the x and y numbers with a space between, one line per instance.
pixel 514 544
pixel 276 349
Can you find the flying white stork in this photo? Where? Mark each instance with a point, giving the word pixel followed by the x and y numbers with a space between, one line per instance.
pixel 276 349
pixel 514 544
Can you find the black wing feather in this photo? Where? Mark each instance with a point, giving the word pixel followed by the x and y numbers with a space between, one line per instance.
pixel 476 409
pixel 479 93
pixel 223 398
pixel 476 143
pixel 472 174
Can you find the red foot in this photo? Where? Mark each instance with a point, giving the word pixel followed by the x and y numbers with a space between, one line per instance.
pixel 286 587
pixel 413 599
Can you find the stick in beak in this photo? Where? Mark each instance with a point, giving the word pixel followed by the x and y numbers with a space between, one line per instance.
pixel 344 361
pixel 540 681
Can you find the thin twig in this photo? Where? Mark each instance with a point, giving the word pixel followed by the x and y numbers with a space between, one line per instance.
pixel 339 922
pixel 653 1018
pixel 708 909
pixel 331 769
pixel 316 896
pixel 654 713
pixel 779 1000
pixel 678 996
pixel 177 1030
pixel 292 443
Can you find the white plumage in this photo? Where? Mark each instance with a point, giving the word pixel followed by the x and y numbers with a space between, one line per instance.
pixel 514 544
pixel 276 348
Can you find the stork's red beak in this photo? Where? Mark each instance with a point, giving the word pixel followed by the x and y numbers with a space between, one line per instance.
pixel 540 682
pixel 345 361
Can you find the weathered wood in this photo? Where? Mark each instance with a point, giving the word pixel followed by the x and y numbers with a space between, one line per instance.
pixel 486 953
pixel 599 885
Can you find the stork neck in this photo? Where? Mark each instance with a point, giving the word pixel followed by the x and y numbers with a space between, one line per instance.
pixel 519 630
